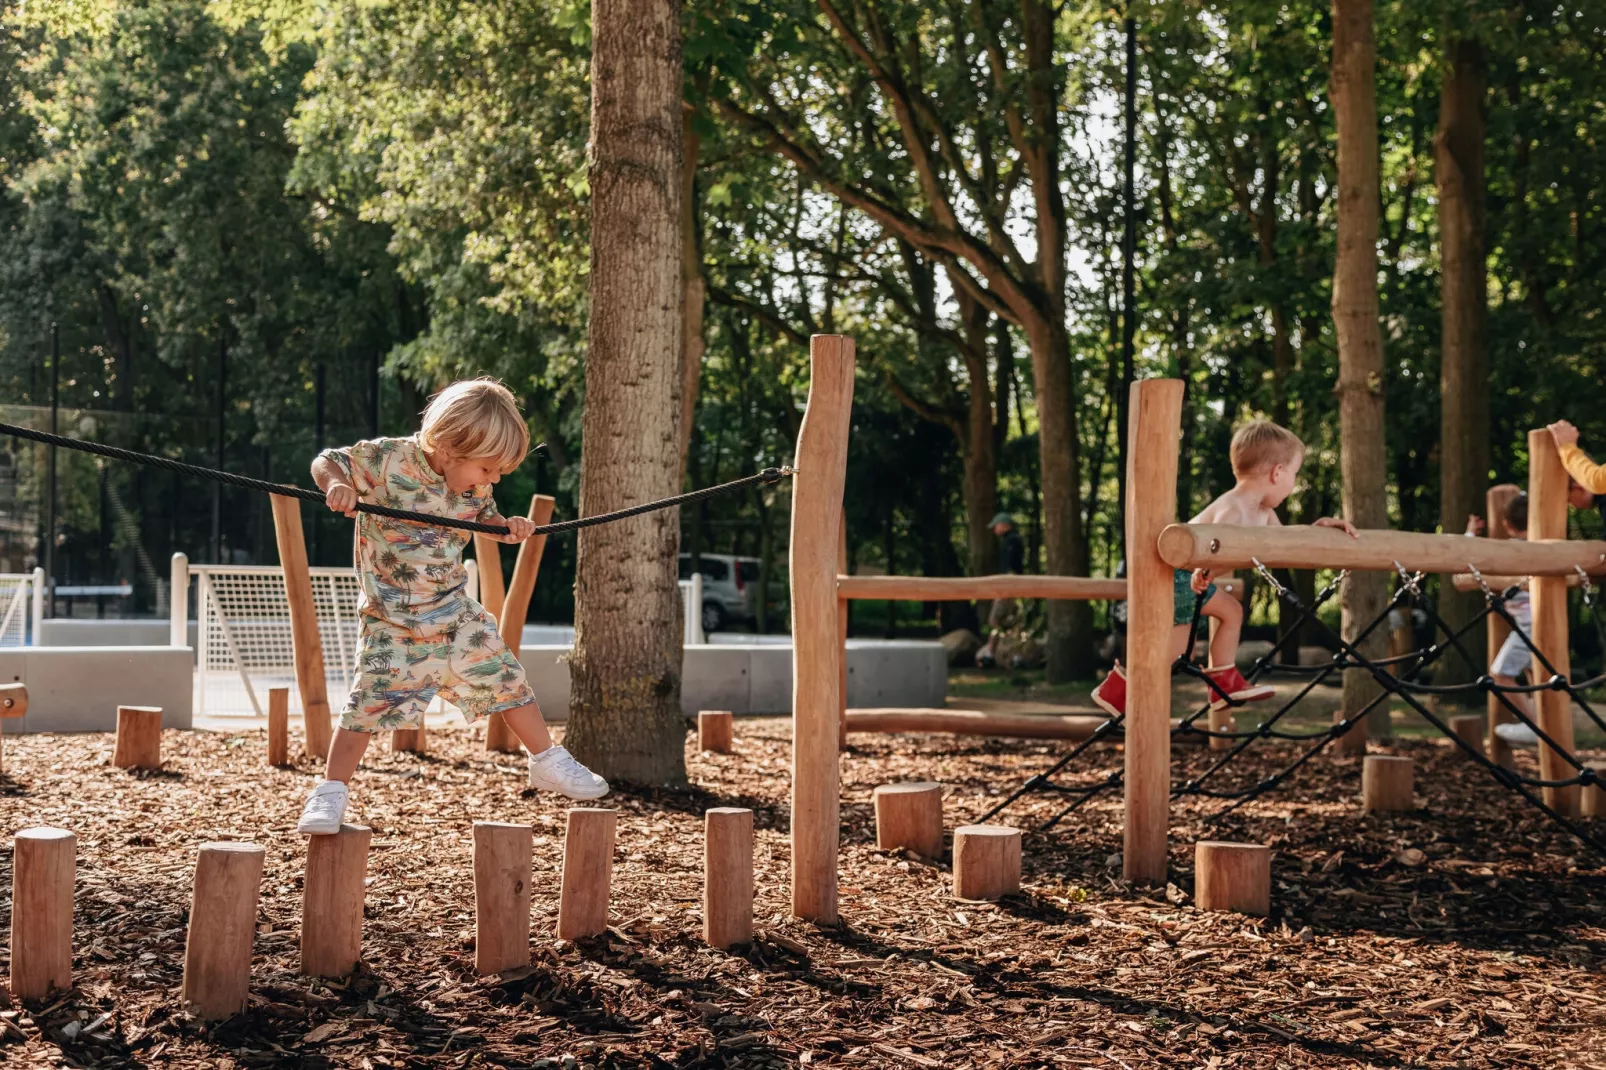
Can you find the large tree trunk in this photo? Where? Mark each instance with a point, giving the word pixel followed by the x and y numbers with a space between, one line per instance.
pixel 692 343
pixel 625 720
pixel 1355 318
pixel 1070 641
pixel 1464 362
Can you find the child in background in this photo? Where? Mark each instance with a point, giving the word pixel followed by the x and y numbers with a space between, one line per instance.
pixel 1265 461
pixel 1514 658
pixel 421 633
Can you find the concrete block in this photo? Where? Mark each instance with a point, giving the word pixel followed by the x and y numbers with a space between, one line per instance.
pixel 715 678
pixel 547 669
pixel 769 672
pixel 78 689
pixel 883 673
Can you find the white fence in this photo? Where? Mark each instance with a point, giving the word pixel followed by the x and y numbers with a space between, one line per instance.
pixel 22 607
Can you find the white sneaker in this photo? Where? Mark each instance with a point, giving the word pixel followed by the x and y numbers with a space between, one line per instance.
pixel 325 808
pixel 1517 734
pixel 555 769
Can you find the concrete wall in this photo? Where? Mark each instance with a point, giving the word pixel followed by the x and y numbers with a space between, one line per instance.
pixel 78 689
pixel 63 631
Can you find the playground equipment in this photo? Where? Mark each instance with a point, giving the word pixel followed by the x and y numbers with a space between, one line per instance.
pixel 1232 876
pixel 714 731
pixel 13 704
pixel 908 817
pixel 986 861
pixel 139 738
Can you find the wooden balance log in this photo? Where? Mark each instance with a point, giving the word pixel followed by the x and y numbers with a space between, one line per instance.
pixel 503 858
pixel 909 817
pixel 44 863
pixel 1232 876
pixel 223 925
pixel 13 703
pixel 139 738
pixel 278 727
pixel 714 731
pixel 1386 783
pixel 587 872
pixel 1469 729
pixel 331 902
pixel 727 876
pixel 986 861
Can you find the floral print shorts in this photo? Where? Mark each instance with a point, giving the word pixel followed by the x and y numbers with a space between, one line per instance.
pixel 400 671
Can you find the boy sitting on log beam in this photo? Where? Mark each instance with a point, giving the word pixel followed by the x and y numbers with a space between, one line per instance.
pixel 1265 462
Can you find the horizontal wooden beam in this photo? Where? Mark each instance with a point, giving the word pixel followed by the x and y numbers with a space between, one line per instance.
pixel 1229 546
pixel 1466 581
pixel 977 723
pixel 973 588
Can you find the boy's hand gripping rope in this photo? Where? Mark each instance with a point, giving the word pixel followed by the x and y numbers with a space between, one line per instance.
pixel 768 476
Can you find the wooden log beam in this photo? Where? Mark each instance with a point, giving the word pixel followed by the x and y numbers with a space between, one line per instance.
pixel 1230 546
pixel 822 461
pixel 515 610
pixel 978 588
pixel 1072 727
pixel 305 642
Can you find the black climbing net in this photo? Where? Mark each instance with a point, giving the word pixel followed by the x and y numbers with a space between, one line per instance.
pixel 767 476
pixel 1399 676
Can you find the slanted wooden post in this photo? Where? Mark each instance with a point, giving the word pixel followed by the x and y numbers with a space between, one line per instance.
pixel 1386 783
pixel 502 873
pixel 331 902
pixel 909 817
pixel 587 872
pixel 986 861
pixel 223 925
pixel 817 688
pixel 278 726
pixel 714 731
pixel 1151 488
pixel 727 876
pixel 1232 876
pixel 515 609
pixel 44 861
pixel 13 703
pixel 139 738
pixel 1495 627
pixel 305 642
pixel 1547 519
pixel 488 558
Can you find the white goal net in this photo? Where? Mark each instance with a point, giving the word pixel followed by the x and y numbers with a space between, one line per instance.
pixel 16 607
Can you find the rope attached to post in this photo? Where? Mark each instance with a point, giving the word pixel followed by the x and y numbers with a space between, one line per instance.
pixel 768 476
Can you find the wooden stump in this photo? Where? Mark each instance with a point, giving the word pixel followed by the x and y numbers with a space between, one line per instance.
pixel 1232 876
pixel 409 740
pixel 1386 783
pixel 44 861
pixel 1469 729
pixel 986 861
pixel 587 873
pixel 13 703
pixel 1593 801
pixel 1353 741
pixel 909 816
pixel 139 738
pixel 331 902
pixel 278 726
pixel 502 873
pixel 223 925
pixel 714 731
pixel 728 876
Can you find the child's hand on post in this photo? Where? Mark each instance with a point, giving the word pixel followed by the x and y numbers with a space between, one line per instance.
pixel 1564 433
pixel 1200 581
pixel 1338 522
pixel 519 528
pixel 1475 524
pixel 341 499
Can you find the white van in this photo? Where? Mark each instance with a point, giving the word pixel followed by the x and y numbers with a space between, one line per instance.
pixel 730 589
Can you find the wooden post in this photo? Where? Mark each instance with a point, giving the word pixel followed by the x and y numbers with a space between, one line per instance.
pixel 1547 519
pixel 44 861
pixel 1495 627
pixel 13 703
pixel 909 817
pixel 842 611
pixel 587 872
pixel 223 925
pixel 1468 728
pixel 488 556
pixel 502 873
pixel 331 902
pixel 139 738
pixel 409 740
pixel 1386 783
pixel 515 608
pixel 305 642
pixel 1232 876
pixel 986 861
pixel 1353 741
pixel 1151 489
pixel 278 726
pixel 1593 798
pixel 714 731
pixel 727 876
pixel 822 458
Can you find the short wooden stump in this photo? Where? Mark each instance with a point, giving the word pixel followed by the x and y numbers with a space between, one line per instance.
pixel 1386 783
pixel 503 857
pixel 1593 800
pixel 331 902
pixel 1469 729
pixel 139 738
pixel 587 872
pixel 714 731
pixel 909 817
pixel 1232 876
pixel 409 740
pixel 986 861
pixel 223 926
pixel 44 864
pixel 728 876
pixel 278 726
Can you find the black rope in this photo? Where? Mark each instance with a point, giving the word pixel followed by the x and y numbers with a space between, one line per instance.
pixel 768 476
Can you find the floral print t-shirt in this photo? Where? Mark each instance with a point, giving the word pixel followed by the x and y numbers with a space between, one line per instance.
pixel 411 574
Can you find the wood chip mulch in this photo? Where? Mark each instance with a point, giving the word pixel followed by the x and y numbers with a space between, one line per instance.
pixel 1470 932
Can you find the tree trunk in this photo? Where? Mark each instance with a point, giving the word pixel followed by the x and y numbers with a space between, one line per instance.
pixel 1355 319
pixel 691 268
pixel 1070 640
pixel 625 720
pixel 1464 363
